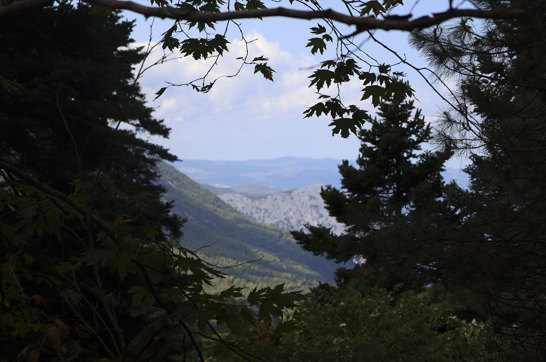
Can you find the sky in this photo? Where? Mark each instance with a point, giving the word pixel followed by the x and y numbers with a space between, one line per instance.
pixel 249 117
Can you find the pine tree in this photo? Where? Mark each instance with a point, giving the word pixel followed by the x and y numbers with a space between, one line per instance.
pixel 497 243
pixel 79 109
pixel 70 174
pixel 394 184
pixel 91 265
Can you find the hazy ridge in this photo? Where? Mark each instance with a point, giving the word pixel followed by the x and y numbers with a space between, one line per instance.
pixel 285 173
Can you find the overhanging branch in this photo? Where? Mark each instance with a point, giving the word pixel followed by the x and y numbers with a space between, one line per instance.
pixel 362 23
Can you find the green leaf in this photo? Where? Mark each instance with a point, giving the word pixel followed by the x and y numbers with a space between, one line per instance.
pixel 321 77
pixel 368 77
pixel 376 92
pixel 255 4
pixel 265 69
pixel 201 25
pixel 210 6
pixel 316 44
pixel 371 6
pixel 319 29
pixel 343 126
pixel 159 2
pixel 317 109
pixel 253 296
pixel 170 43
pixel 168 40
pixel 327 37
pixel 399 90
pixel 359 115
pixel 328 64
pixel 384 68
pixel 202 48
pixel 159 93
pixel 344 70
pixel 335 108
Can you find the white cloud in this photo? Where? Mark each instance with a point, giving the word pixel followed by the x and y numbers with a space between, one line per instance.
pixel 248 97
pixel 293 100
pixel 167 104
pixel 182 137
pixel 272 50
pixel 246 114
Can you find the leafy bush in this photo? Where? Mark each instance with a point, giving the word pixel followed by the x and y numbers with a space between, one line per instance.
pixel 346 324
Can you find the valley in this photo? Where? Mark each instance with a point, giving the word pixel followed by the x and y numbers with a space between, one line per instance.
pixel 239 214
pixel 251 253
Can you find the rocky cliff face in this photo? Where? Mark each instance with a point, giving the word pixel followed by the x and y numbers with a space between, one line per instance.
pixel 288 210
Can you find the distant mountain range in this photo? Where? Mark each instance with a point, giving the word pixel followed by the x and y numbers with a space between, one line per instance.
pixel 284 173
pixel 225 237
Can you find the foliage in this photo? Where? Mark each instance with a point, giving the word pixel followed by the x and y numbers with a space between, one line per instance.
pixel 351 325
pixel 383 202
pixel 346 119
pixel 497 236
pixel 91 266
pixel 202 40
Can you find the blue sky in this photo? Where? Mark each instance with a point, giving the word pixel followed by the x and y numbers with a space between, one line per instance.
pixel 248 117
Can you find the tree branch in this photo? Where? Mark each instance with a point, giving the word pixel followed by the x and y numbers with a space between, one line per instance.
pixel 362 23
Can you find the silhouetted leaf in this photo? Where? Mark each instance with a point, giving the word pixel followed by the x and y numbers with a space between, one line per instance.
pixel 265 69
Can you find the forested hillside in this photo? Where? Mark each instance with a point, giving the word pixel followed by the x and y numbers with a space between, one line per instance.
pixel 225 237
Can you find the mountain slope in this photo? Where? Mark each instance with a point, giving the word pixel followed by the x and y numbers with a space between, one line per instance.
pixel 225 237
pixel 288 210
